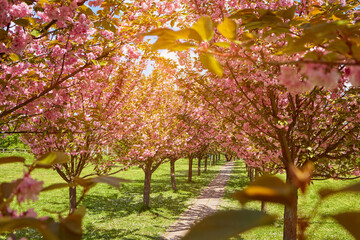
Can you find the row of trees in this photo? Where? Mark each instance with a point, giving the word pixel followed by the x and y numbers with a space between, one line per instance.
pixel 280 90
pixel 73 81
pixel 283 77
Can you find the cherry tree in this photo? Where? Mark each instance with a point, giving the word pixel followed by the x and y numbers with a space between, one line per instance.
pixel 314 117
pixel 58 68
pixel 153 133
pixel 45 44
pixel 83 127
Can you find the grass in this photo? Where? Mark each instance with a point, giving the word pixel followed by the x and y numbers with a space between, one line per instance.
pixel 118 213
pixel 320 228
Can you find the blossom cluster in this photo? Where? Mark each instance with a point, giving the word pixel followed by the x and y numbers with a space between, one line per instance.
pixel 310 75
pixel 28 189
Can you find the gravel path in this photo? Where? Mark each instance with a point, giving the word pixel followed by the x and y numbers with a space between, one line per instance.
pixel 205 204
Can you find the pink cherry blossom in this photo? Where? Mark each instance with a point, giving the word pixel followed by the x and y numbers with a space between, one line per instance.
pixel 292 80
pixel 95 3
pixel 320 75
pixel 20 10
pixel 355 76
pixel 28 189
pixel 286 3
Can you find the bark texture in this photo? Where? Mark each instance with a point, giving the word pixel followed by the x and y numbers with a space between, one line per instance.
pixel 190 169
pixel 147 185
pixel 172 174
pixel 290 216
pixel 72 199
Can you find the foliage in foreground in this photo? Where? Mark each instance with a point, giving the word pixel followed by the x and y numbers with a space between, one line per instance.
pixel 116 213
pixel 27 188
pixel 225 224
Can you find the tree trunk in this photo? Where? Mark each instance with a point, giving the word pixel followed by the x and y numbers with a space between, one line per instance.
pixel 72 199
pixel 147 182
pixel 199 166
pixel 213 159
pixel 205 165
pixel 251 174
pixel 190 169
pixel 172 174
pixel 290 216
pixel 263 206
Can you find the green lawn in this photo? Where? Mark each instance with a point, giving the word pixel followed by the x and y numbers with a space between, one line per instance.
pixel 321 228
pixel 116 214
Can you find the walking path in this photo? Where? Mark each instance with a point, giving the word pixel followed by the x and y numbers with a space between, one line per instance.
pixel 204 205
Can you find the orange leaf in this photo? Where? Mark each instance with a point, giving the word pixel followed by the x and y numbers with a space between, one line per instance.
pixel 268 189
pixel 302 177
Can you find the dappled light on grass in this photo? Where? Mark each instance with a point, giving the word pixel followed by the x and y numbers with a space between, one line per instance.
pixel 117 214
pixel 320 228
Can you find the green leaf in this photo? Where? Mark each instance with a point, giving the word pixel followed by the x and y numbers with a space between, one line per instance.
pixel 182 46
pixel 228 28
pixel 72 224
pixel 243 13
pixel 22 22
pixel 204 27
pixel 192 34
pixel 171 45
pixel 247 36
pixel 91 182
pixel 330 57
pixel 350 221
pixel 4 35
pixel 327 192
pixel 11 224
pixel 355 51
pixel 288 13
pixel 6 189
pixel 166 33
pixel 49 159
pixel 268 189
pixel 14 57
pixel 172 23
pixel 103 63
pixel 85 9
pixel 339 46
pixel 210 63
pixel 311 55
pixel 270 20
pixel 161 32
pixel 95 62
pixel 35 33
pixel 162 43
pixel 222 44
pixel 57 186
pixel 29 2
pixel 112 181
pixel 5 160
pixel 223 225
pixel 170 36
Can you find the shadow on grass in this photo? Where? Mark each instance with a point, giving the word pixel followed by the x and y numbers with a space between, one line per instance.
pixel 93 233
pixel 142 236
pixel 238 180
pixel 128 200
